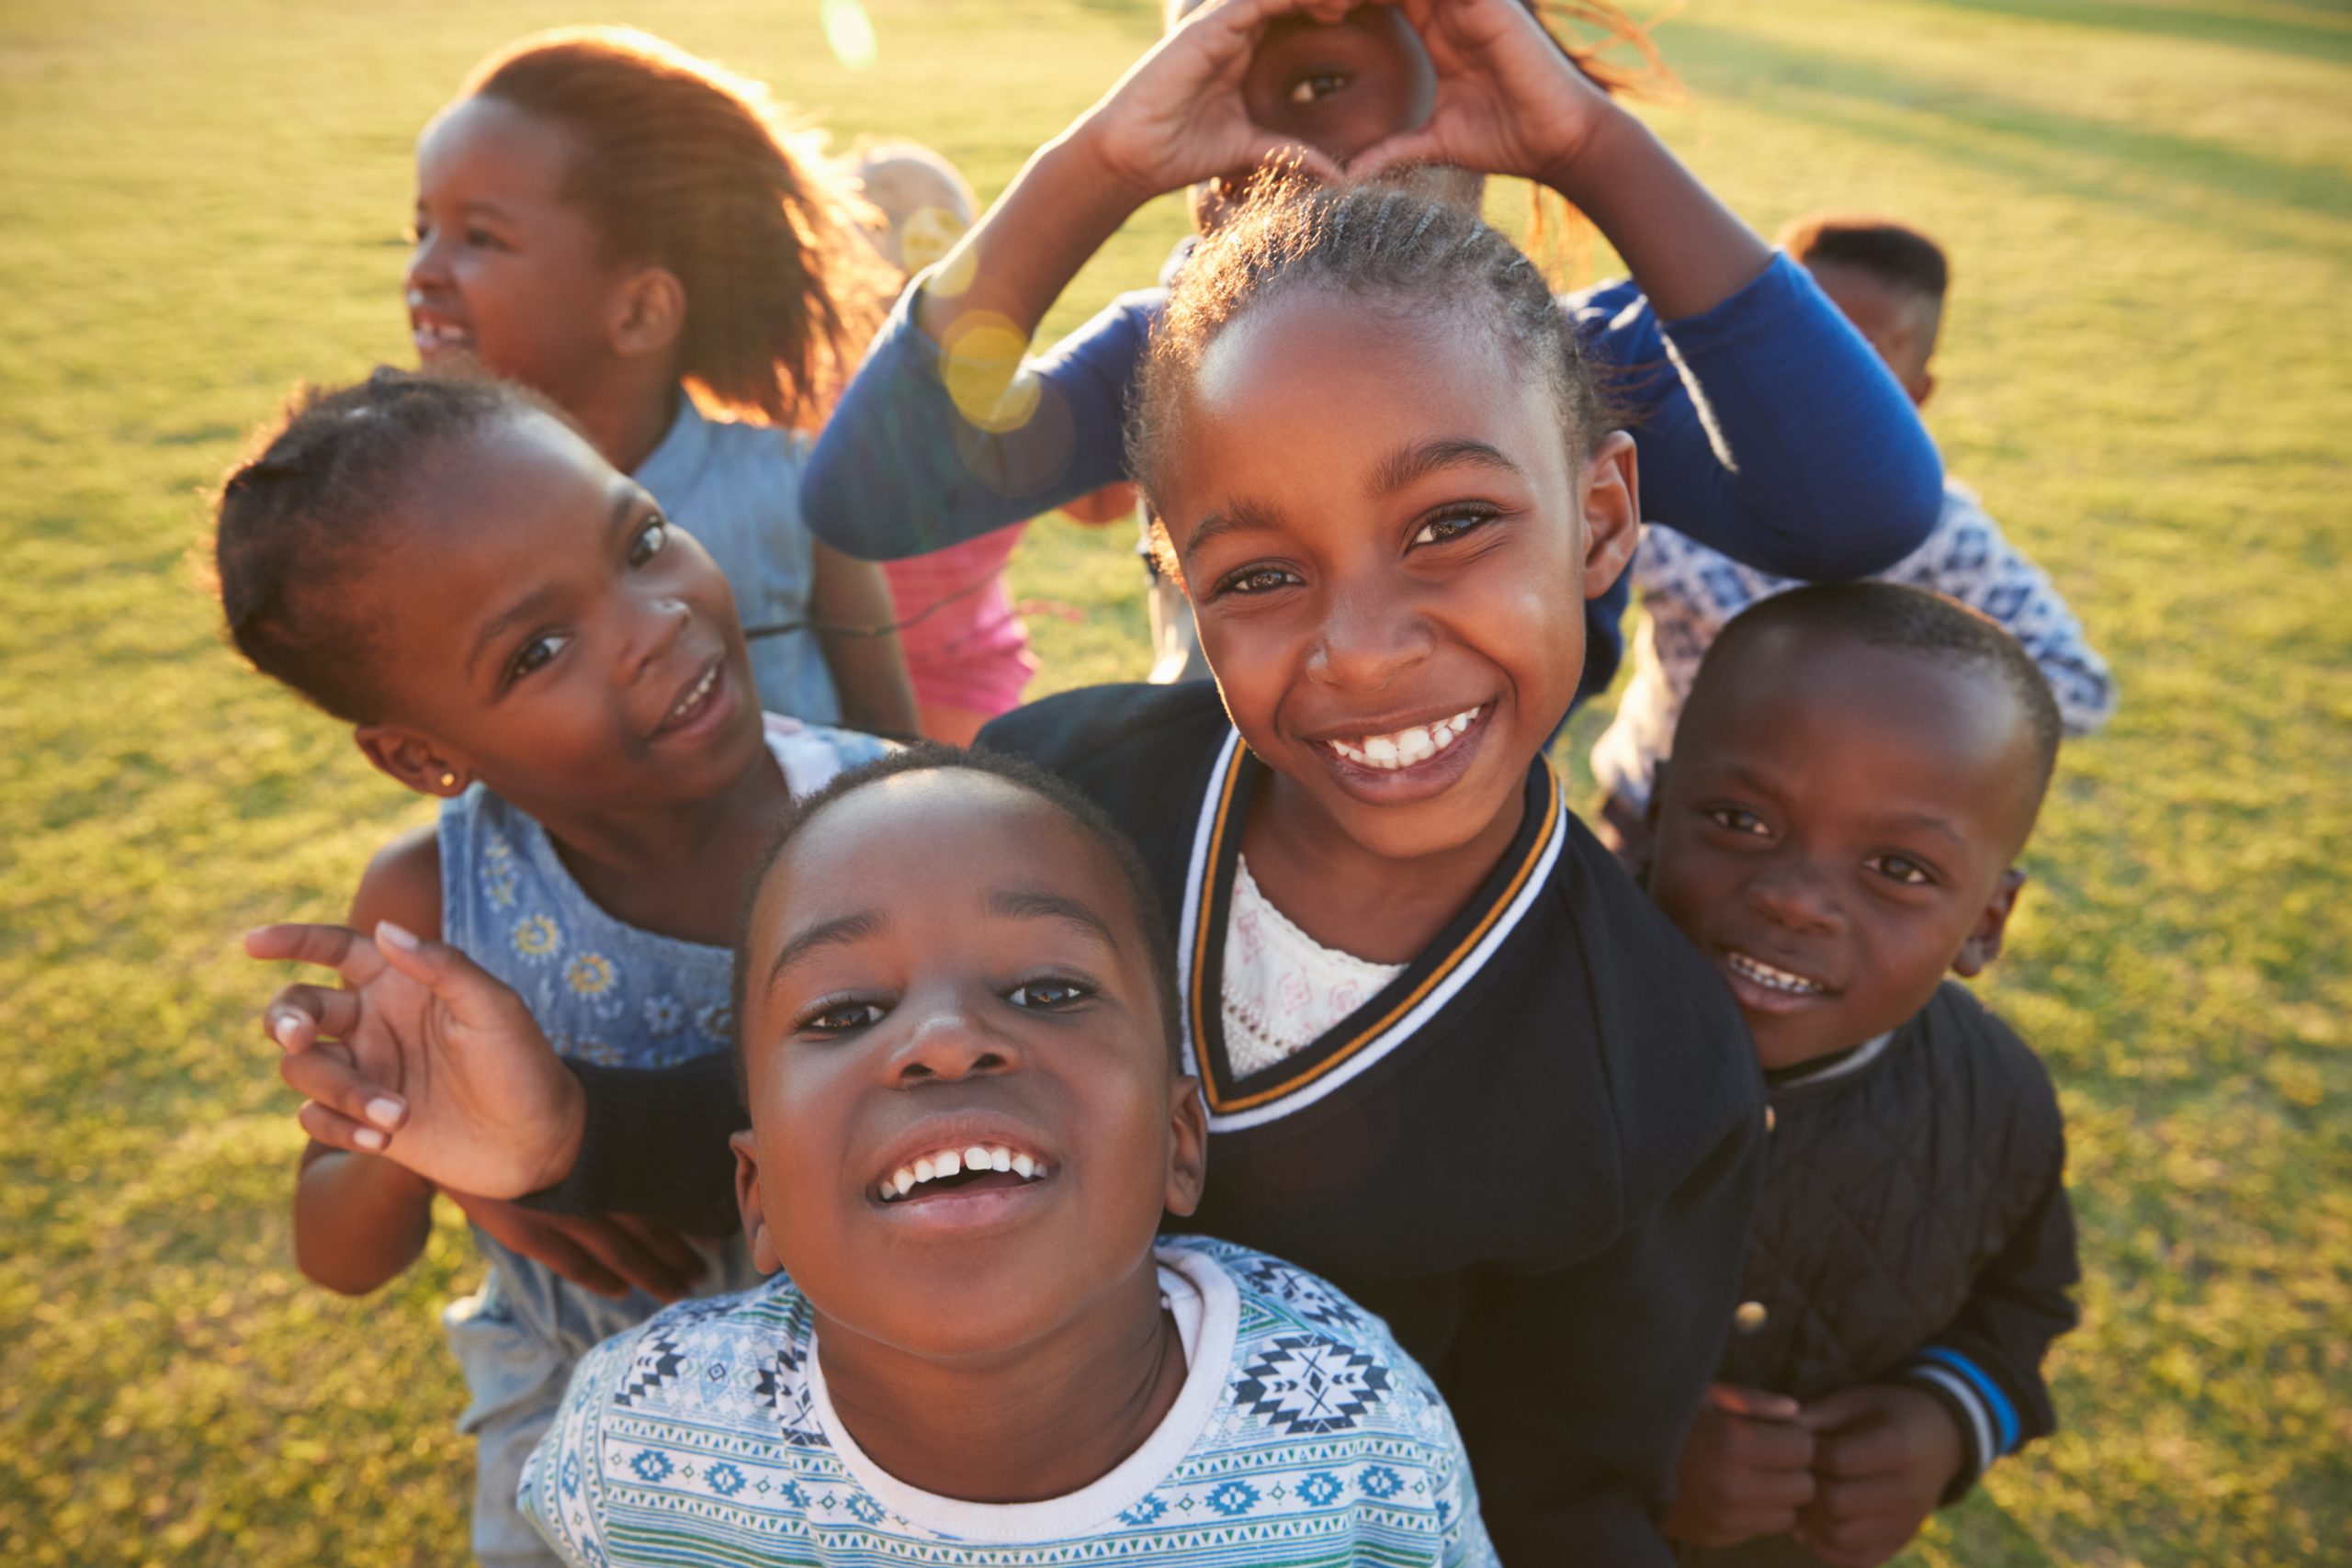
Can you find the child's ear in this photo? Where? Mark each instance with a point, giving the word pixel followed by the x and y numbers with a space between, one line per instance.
pixel 411 759
pixel 1921 387
pixel 1983 943
pixel 748 1202
pixel 1188 1164
pixel 1612 512
pixel 649 313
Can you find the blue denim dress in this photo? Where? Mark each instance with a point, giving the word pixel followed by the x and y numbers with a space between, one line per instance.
pixel 736 487
pixel 603 992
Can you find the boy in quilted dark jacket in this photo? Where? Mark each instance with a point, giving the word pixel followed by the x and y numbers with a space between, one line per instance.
pixel 1855 774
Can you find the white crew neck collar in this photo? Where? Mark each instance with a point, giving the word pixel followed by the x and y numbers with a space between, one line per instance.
pixel 1207 1308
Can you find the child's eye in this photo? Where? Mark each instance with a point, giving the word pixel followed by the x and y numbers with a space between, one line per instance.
pixel 1049 995
pixel 1447 526
pixel 484 240
pixel 1737 821
pixel 840 1018
pixel 1256 580
pixel 535 654
pixel 649 543
pixel 1902 869
pixel 1321 84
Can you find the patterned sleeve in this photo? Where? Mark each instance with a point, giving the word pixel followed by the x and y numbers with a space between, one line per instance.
pixel 561 1493
pixel 1970 559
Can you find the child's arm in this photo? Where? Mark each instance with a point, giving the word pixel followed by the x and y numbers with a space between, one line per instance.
pixel 359 1219
pixel 1806 458
pixel 911 460
pixel 869 672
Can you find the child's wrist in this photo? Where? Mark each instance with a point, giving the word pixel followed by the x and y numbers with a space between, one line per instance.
pixel 1083 161
pixel 1574 170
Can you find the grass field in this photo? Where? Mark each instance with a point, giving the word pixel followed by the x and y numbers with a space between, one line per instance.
pixel 2150 205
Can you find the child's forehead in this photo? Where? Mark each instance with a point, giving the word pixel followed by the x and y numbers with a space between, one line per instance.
pixel 943 833
pixel 1841 705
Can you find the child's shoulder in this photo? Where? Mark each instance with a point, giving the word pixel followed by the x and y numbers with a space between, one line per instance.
pixel 737 1359
pixel 1307 1361
pixel 1109 732
pixel 402 884
pixel 1970 1048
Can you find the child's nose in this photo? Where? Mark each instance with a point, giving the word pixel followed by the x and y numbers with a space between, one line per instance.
pixel 657 626
pixel 1368 637
pixel 1797 897
pixel 948 1044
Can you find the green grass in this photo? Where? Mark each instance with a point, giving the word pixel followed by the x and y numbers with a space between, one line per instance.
pixel 2150 205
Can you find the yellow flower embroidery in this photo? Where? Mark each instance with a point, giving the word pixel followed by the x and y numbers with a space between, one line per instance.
pixel 536 936
pixel 590 974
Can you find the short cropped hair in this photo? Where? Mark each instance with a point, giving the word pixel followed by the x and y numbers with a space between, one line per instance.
pixel 1909 620
pixel 1895 253
pixel 924 757
pixel 309 512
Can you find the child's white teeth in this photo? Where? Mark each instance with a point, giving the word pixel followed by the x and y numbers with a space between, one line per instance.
pixel 1408 747
pixel 1774 980
pixel 945 1163
pixel 695 694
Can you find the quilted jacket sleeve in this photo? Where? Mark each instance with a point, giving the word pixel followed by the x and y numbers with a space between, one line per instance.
pixel 655 1144
pixel 1985 1366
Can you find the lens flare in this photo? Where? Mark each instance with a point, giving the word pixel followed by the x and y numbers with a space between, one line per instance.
pixel 849 32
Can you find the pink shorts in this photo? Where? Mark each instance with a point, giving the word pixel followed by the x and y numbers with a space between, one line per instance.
pixel 967 649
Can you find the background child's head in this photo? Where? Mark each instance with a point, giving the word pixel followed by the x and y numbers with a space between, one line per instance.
pixel 1888 278
pixel 1386 477
pixel 1852 779
pixel 1343 86
pixel 597 204
pixel 921 200
pixel 950 954
pixel 446 564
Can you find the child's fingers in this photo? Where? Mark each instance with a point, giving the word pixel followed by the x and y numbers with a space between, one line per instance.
pixel 665 1243
pixel 1761 1404
pixel 560 1252
pixel 1879 1449
pixel 1406 147
pixel 300 1014
pixel 461 985
pixel 337 1130
pixel 338 948
pixel 329 1081
pixel 625 1256
pixel 1771 1445
pixel 1870 1497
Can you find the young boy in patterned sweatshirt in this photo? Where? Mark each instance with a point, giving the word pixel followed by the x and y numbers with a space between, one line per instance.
pixel 958 1042
pixel 1855 774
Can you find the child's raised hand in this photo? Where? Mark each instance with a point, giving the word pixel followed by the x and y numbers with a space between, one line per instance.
pixel 1509 101
pixel 1177 116
pixel 1883 1456
pixel 1746 1469
pixel 604 1253
pixel 423 1059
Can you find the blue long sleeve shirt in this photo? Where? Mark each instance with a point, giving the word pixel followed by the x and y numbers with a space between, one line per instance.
pixel 1766 427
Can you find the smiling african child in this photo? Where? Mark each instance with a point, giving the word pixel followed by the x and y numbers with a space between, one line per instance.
pixel 957 1042
pixel 1856 772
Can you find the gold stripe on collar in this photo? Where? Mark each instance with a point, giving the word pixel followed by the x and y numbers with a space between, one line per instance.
pixel 1374 1031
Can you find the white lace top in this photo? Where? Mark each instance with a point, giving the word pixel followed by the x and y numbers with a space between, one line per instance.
pixel 1284 990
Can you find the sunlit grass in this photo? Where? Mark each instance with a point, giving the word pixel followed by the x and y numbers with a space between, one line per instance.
pixel 2149 211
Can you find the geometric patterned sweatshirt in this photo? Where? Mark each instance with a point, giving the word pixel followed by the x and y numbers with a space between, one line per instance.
pixel 1303 1438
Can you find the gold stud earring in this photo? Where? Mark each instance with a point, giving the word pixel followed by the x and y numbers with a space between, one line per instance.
pixel 448 781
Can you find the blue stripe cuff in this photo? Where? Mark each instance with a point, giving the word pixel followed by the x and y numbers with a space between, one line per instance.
pixel 2005 1415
